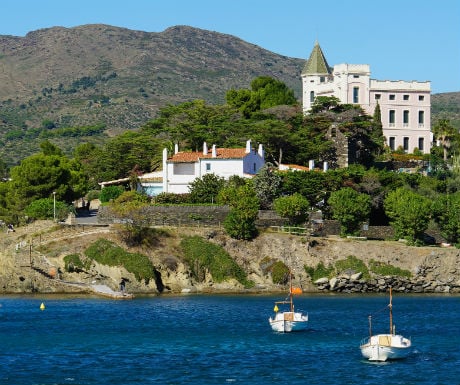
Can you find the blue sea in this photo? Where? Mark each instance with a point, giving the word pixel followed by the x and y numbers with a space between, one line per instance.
pixel 222 339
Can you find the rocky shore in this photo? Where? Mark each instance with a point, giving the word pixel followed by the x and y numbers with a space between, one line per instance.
pixel 381 284
pixel 32 262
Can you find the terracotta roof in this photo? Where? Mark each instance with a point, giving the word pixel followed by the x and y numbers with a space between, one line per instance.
pixel 295 167
pixel 222 153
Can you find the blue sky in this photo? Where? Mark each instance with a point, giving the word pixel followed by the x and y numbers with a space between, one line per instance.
pixel 399 39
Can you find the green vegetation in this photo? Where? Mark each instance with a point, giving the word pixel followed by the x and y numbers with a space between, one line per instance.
pixel 320 271
pixel 352 264
pixel 382 268
pixel 109 254
pixel 204 256
pixel 294 207
pixel 74 263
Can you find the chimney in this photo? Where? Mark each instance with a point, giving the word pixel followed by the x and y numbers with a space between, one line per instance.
pixel 311 164
pixel 248 146
pixel 261 151
pixel 205 148
pixel 176 148
pixel 214 152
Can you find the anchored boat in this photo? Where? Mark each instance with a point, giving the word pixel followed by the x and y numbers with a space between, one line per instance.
pixel 383 347
pixel 289 320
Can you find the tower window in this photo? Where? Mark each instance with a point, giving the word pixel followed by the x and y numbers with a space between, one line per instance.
pixel 421 97
pixel 377 96
pixel 322 79
pixel 312 96
pixel 421 117
pixel 355 94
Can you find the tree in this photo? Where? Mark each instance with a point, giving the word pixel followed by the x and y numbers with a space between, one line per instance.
pixel 409 213
pixel 350 208
pixel 444 132
pixel 38 176
pixel 244 209
pixel 267 184
pixel 447 210
pixel 45 209
pixel 294 207
pixel 324 103
pixel 206 188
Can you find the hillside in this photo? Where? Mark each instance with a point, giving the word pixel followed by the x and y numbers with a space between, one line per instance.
pixel 87 83
pixel 45 244
pixel 118 78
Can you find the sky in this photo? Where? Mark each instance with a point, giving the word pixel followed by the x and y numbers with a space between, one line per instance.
pixel 399 39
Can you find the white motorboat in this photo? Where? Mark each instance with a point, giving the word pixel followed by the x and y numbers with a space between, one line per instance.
pixel 289 320
pixel 383 347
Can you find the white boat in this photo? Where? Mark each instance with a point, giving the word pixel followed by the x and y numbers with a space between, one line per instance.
pixel 383 347
pixel 290 320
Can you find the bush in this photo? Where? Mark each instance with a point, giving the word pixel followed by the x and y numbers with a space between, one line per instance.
pixel 280 273
pixel 382 268
pixel 352 264
pixel 110 193
pixel 202 255
pixel 320 271
pixel 44 209
pixel 107 253
pixel 73 263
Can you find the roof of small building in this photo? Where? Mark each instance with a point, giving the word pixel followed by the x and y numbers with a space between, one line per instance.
pixel 316 63
pixel 221 153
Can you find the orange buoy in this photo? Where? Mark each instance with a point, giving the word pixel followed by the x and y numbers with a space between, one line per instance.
pixel 296 290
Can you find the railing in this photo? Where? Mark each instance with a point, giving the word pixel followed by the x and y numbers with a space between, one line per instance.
pixel 290 230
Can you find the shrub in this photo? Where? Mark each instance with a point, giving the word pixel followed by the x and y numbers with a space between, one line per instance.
pixel 280 273
pixel 110 192
pixel 320 271
pixel 107 253
pixel 351 263
pixel 201 255
pixel 382 268
pixel 73 262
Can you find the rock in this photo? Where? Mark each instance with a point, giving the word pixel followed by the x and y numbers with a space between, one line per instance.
pixel 356 277
pixel 322 281
pixel 333 283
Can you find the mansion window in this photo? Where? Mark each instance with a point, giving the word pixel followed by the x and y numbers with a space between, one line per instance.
pixel 377 96
pixel 391 97
pixel 355 94
pixel 391 118
pixel 421 144
pixel 405 97
pixel 405 118
pixel 421 97
pixel 421 118
pixel 312 96
pixel 356 76
pixel 392 143
pixel 406 143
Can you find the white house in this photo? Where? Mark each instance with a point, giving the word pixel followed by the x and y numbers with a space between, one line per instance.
pixel 182 168
pixel 405 105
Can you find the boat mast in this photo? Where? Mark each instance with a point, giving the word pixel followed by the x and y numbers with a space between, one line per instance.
pixel 290 291
pixel 391 313
pixel 370 326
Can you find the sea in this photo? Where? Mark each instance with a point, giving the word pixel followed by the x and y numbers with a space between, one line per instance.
pixel 222 339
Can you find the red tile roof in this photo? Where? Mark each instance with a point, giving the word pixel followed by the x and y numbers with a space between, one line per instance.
pixel 221 153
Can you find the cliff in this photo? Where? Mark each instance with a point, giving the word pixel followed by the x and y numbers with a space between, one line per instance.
pixel 31 260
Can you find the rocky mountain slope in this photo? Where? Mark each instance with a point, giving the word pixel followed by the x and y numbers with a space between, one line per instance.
pixel 44 245
pixel 117 79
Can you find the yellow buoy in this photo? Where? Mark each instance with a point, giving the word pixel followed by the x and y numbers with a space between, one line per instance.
pixel 275 309
pixel 42 306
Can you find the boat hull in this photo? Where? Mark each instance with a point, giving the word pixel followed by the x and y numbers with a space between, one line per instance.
pixel 286 322
pixel 383 347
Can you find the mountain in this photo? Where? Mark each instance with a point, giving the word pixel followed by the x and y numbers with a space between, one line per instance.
pixel 87 83
pixel 118 78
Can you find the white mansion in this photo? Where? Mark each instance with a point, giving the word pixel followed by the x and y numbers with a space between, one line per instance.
pixel 405 105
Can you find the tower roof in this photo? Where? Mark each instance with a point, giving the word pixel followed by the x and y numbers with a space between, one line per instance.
pixel 316 63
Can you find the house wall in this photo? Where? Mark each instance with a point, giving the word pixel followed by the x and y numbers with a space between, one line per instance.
pixel 346 77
